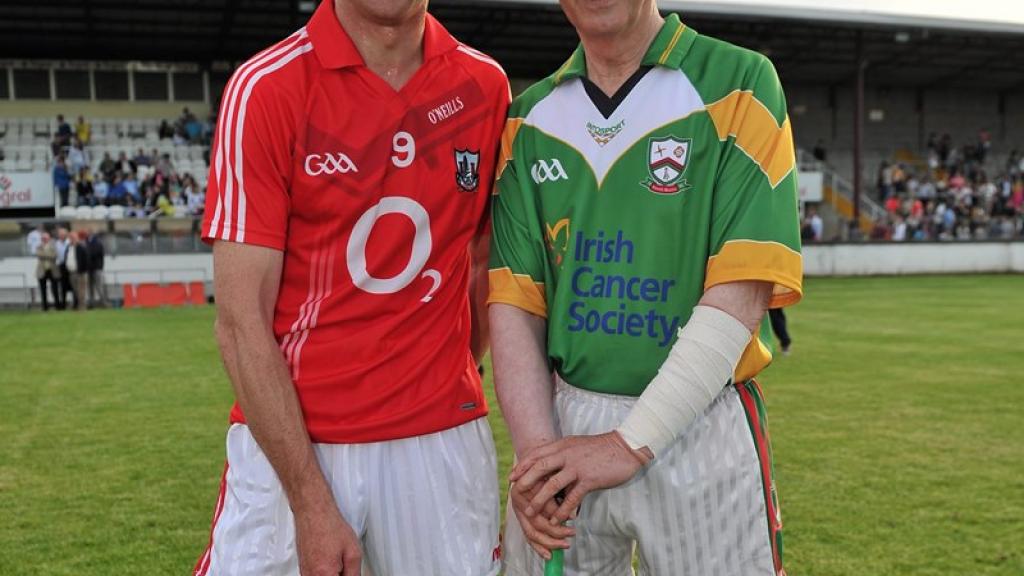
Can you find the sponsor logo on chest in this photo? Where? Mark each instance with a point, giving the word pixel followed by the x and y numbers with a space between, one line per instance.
pixel 445 111
pixel 604 135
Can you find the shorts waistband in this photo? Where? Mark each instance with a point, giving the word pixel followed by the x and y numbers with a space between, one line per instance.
pixel 563 388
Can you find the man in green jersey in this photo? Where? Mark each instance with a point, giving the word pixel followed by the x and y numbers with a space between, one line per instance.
pixel 645 221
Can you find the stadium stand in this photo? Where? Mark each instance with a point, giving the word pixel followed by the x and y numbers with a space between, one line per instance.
pixel 127 168
pixel 920 77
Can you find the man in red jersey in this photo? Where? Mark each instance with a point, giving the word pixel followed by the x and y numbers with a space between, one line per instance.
pixel 351 171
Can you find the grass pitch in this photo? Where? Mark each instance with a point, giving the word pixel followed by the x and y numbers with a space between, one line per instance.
pixel 896 426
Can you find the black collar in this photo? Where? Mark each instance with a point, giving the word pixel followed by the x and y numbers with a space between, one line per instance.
pixel 606 105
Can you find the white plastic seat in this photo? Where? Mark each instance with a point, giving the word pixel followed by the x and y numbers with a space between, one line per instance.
pixel 83 213
pixel 100 212
pixel 116 212
pixel 68 212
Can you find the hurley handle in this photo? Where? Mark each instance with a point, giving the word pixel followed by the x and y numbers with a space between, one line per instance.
pixel 556 565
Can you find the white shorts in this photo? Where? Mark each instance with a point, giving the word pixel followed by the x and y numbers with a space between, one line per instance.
pixel 705 507
pixel 426 505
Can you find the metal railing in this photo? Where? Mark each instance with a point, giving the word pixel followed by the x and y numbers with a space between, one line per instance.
pixel 869 208
pixel 27 288
pixel 161 274
pixel 115 281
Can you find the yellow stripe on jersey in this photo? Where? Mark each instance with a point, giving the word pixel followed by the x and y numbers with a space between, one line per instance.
pixel 757 133
pixel 671 45
pixel 754 359
pixel 517 290
pixel 740 260
pixel 508 136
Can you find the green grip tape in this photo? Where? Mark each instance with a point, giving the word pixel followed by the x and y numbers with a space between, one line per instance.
pixel 556 565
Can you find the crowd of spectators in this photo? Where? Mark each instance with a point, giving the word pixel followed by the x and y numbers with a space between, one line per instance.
pixel 145 184
pixel 69 264
pixel 953 194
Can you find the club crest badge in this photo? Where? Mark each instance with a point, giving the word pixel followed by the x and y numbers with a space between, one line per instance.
pixel 666 162
pixel 467 173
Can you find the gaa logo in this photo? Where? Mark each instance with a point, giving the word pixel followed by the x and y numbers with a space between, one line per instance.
pixel 543 171
pixel 327 163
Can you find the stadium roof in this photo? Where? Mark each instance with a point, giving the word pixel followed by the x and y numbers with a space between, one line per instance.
pixel 979 15
pixel 532 37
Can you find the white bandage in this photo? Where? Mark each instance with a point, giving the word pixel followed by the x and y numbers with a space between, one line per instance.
pixel 700 364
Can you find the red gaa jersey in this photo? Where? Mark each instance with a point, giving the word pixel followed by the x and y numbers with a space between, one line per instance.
pixel 374 196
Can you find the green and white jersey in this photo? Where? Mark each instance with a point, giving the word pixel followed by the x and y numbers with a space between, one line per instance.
pixel 613 227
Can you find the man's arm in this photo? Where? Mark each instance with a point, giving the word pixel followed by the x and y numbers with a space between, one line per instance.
pixel 246 281
pixel 522 380
pixel 582 464
pixel 525 392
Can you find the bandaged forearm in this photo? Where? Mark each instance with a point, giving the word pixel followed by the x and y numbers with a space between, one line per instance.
pixel 700 364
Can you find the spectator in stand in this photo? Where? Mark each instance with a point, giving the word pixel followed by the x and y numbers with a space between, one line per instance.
pixel 819 151
pixel 84 188
pixel 108 167
pixel 164 207
pixel 899 179
pixel 892 204
pixel 817 226
pixel 957 181
pixel 1017 196
pixel 884 180
pixel 926 189
pixel 945 144
pixel 47 272
pixel 141 159
pixel 62 138
pixel 77 263
pixel 165 131
pixel 134 209
pixel 61 179
pixel 34 239
pixel 118 193
pixel 195 200
pixel 190 127
pixel 899 230
pixel 131 185
pixel 62 245
pixel 165 166
pixel 148 205
pixel 984 145
pixel 78 158
pixel 208 127
pixel 125 165
pixel 83 131
pixel 97 284
pixel 100 190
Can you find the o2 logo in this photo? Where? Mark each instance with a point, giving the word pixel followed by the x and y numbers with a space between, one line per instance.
pixel 421 247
